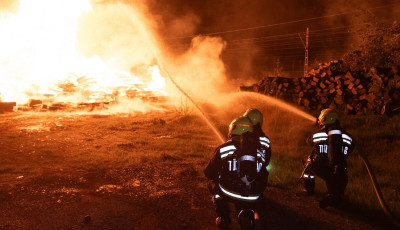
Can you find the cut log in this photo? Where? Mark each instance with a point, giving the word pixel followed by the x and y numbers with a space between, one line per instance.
pixel 33 102
pixel 7 106
pixel 349 76
pixel 338 100
pixel 349 107
pixel 347 82
pixel 306 102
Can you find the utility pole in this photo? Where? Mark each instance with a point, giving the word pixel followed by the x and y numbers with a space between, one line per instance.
pixel 306 56
pixel 306 51
pixel 277 70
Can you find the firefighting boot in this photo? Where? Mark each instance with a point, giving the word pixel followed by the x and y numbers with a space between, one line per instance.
pixel 308 180
pixel 223 222
pixel 246 219
pixel 329 200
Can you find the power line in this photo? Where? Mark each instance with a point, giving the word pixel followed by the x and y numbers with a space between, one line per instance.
pixel 285 23
pixel 293 36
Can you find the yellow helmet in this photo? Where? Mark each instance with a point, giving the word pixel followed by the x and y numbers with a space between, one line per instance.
pixel 327 117
pixel 255 116
pixel 239 126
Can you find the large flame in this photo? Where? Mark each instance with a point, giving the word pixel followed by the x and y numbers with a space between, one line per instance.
pixel 39 54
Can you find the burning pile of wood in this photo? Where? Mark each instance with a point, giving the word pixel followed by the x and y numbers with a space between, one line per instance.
pixel 332 85
pixel 90 100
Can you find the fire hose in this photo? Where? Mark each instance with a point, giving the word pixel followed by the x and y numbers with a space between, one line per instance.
pixel 376 186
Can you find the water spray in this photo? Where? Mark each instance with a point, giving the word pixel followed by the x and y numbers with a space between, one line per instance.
pixel 204 116
pixel 281 104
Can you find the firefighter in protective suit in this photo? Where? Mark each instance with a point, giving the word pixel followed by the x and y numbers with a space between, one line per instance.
pixel 237 172
pixel 331 145
pixel 256 119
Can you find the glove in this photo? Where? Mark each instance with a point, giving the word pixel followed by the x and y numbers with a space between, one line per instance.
pixel 339 170
pixel 212 186
pixel 335 170
pixel 246 186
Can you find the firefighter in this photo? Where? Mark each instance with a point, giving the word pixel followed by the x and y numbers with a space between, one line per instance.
pixel 237 173
pixel 256 119
pixel 331 146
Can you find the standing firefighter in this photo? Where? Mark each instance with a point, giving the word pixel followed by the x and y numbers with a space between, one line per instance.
pixel 237 173
pixel 331 145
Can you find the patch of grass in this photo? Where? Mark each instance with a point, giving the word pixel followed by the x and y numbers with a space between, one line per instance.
pixel 279 175
pixel 158 121
pixel 190 172
pixel 167 157
pixel 100 116
pixel 185 107
pixel 195 155
pixel 127 147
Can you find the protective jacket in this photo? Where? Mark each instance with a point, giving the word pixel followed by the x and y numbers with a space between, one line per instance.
pixel 331 146
pixel 224 169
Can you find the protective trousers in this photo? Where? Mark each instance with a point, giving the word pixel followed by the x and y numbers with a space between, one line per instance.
pixel 336 183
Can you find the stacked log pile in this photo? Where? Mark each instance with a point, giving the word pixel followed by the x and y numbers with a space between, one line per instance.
pixel 332 85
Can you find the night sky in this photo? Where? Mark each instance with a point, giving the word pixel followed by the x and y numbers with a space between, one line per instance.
pixel 260 32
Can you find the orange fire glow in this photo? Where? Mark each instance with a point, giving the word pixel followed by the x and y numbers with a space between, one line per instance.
pixel 59 48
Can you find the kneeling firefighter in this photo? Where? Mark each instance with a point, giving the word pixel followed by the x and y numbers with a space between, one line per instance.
pixel 237 173
pixel 331 146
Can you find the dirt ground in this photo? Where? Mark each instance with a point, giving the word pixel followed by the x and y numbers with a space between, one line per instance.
pixel 142 171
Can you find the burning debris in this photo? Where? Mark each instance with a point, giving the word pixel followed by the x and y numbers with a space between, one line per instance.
pixel 332 85
pixel 81 67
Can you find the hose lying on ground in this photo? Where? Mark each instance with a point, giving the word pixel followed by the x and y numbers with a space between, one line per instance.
pixel 375 184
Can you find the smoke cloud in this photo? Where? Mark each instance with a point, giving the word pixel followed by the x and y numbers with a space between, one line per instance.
pixel 247 57
pixel 200 70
